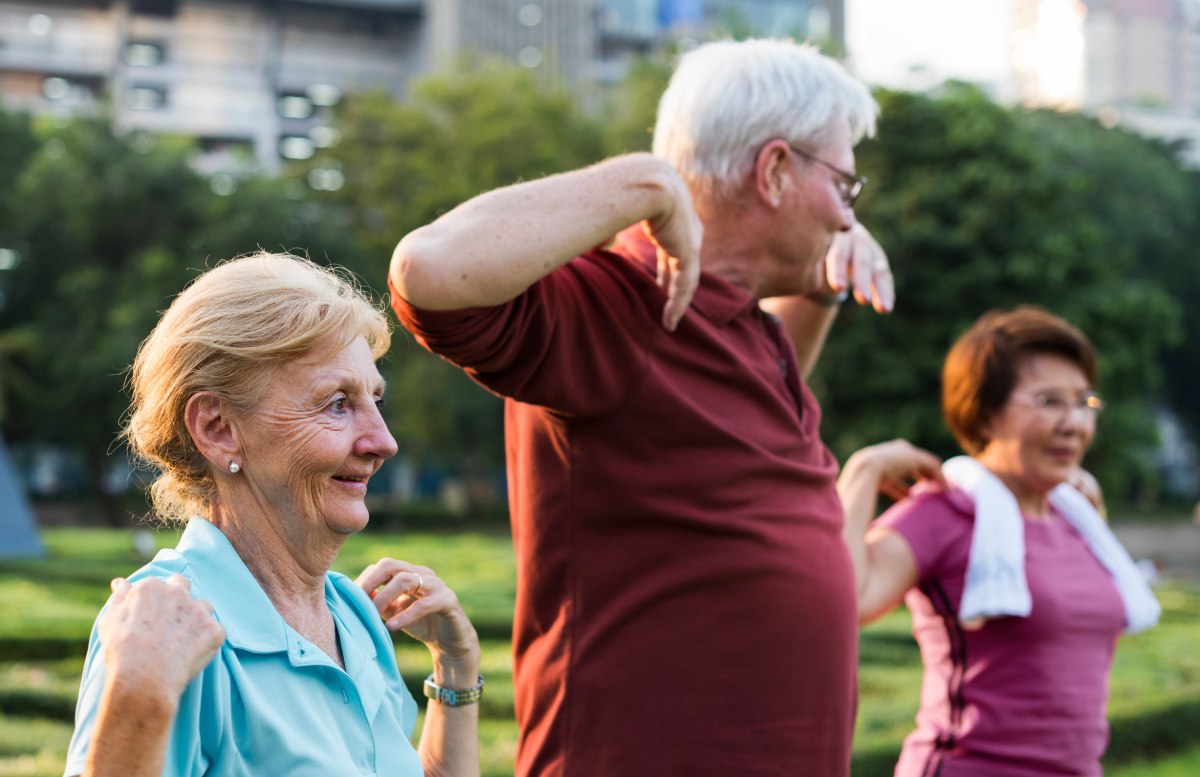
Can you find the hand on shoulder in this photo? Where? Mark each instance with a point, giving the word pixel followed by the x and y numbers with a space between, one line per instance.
pixel 156 636
pixel 895 466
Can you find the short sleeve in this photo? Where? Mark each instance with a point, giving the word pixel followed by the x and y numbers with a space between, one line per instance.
pixel 86 707
pixel 936 528
pixel 576 341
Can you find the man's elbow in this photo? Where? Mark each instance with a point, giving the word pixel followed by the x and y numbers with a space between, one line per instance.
pixel 413 272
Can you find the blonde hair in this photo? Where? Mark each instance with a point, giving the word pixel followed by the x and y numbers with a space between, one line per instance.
pixel 727 99
pixel 225 333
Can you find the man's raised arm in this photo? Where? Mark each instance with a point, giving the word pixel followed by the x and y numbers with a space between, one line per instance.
pixel 491 248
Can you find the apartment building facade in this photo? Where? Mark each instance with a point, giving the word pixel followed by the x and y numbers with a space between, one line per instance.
pixel 254 80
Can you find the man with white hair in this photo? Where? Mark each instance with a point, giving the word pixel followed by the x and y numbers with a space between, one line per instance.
pixel 685 603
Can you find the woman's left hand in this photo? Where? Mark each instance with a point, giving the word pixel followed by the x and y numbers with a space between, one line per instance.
pixel 414 599
pixel 1087 485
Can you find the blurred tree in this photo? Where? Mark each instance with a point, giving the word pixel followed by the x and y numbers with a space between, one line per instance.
pixel 17 144
pixel 1150 207
pixel 461 133
pixel 99 232
pixel 108 230
pixel 983 207
pixel 632 105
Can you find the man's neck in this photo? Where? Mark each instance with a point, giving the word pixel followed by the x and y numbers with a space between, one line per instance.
pixel 733 248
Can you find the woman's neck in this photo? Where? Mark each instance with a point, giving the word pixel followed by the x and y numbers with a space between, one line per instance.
pixel 1034 505
pixel 291 570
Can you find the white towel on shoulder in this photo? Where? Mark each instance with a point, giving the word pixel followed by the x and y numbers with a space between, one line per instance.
pixel 996 583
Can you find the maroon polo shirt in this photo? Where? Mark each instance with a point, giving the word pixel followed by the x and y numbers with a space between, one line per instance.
pixel 685 603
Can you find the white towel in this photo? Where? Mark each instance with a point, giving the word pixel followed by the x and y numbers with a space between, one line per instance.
pixel 996 584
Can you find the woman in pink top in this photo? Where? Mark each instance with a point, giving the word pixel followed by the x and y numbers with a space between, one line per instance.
pixel 1012 696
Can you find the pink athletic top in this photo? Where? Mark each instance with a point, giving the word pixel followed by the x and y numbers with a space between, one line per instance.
pixel 685 602
pixel 1021 697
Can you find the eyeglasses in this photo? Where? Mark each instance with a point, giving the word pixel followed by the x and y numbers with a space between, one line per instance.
pixel 1059 404
pixel 849 185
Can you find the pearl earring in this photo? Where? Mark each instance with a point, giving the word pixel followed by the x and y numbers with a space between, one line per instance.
pixel 234 468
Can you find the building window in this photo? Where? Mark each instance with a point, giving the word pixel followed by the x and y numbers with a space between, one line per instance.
pixel 144 97
pixel 294 106
pixel 530 57
pixel 325 95
pixel 143 53
pixel 154 7
pixel 530 15
pixel 40 24
pixel 55 88
pixel 296 147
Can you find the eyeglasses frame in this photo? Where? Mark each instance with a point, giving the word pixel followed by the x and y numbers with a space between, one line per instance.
pixel 853 184
pixel 1089 403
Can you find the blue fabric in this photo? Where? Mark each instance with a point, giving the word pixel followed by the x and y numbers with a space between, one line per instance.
pixel 271 702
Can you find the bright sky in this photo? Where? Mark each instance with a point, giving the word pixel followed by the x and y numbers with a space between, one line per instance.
pixel 965 39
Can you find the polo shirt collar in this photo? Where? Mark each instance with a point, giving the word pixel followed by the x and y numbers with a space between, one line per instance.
pixel 716 299
pixel 250 619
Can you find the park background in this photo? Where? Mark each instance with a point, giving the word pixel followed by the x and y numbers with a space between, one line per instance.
pixel 980 203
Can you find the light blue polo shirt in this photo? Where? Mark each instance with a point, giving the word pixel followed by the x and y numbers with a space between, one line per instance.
pixel 271 702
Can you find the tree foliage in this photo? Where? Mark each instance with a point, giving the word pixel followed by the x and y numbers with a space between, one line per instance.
pixel 17 145
pixel 460 133
pixel 108 229
pixel 978 206
pixel 982 207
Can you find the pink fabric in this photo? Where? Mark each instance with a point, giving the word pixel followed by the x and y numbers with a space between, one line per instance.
pixel 1020 697
pixel 685 603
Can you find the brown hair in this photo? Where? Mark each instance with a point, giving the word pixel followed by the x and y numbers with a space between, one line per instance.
pixel 984 364
pixel 226 333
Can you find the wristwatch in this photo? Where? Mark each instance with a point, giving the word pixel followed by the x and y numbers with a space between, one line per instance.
pixel 829 300
pixel 453 698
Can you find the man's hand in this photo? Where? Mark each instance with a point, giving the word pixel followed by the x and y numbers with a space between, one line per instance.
pixel 855 260
pixel 677 233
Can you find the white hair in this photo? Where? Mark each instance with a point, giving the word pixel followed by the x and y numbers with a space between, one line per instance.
pixel 728 98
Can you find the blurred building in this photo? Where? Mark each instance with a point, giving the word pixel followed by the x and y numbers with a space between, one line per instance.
pixel 250 80
pixel 554 38
pixel 1129 62
pixel 586 44
pixel 253 80
pixel 626 28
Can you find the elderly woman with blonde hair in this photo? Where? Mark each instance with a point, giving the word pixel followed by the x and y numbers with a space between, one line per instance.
pixel 239 652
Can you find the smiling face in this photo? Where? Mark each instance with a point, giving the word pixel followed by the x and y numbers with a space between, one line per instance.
pixel 1034 448
pixel 315 440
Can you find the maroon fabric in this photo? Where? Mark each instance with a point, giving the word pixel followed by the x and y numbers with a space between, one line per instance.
pixel 685 604
pixel 1021 697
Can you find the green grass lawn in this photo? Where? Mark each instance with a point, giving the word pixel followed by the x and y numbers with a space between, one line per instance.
pixel 47 607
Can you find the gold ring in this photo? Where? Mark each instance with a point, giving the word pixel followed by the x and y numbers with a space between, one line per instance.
pixel 420 585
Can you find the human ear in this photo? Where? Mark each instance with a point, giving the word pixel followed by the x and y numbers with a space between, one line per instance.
pixel 211 427
pixel 770 179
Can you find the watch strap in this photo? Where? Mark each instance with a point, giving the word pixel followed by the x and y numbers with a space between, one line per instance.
pixel 453 698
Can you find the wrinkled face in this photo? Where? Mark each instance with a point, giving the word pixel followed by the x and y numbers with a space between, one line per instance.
pixel 1042 432
pixel 819 211
pixel 316 439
